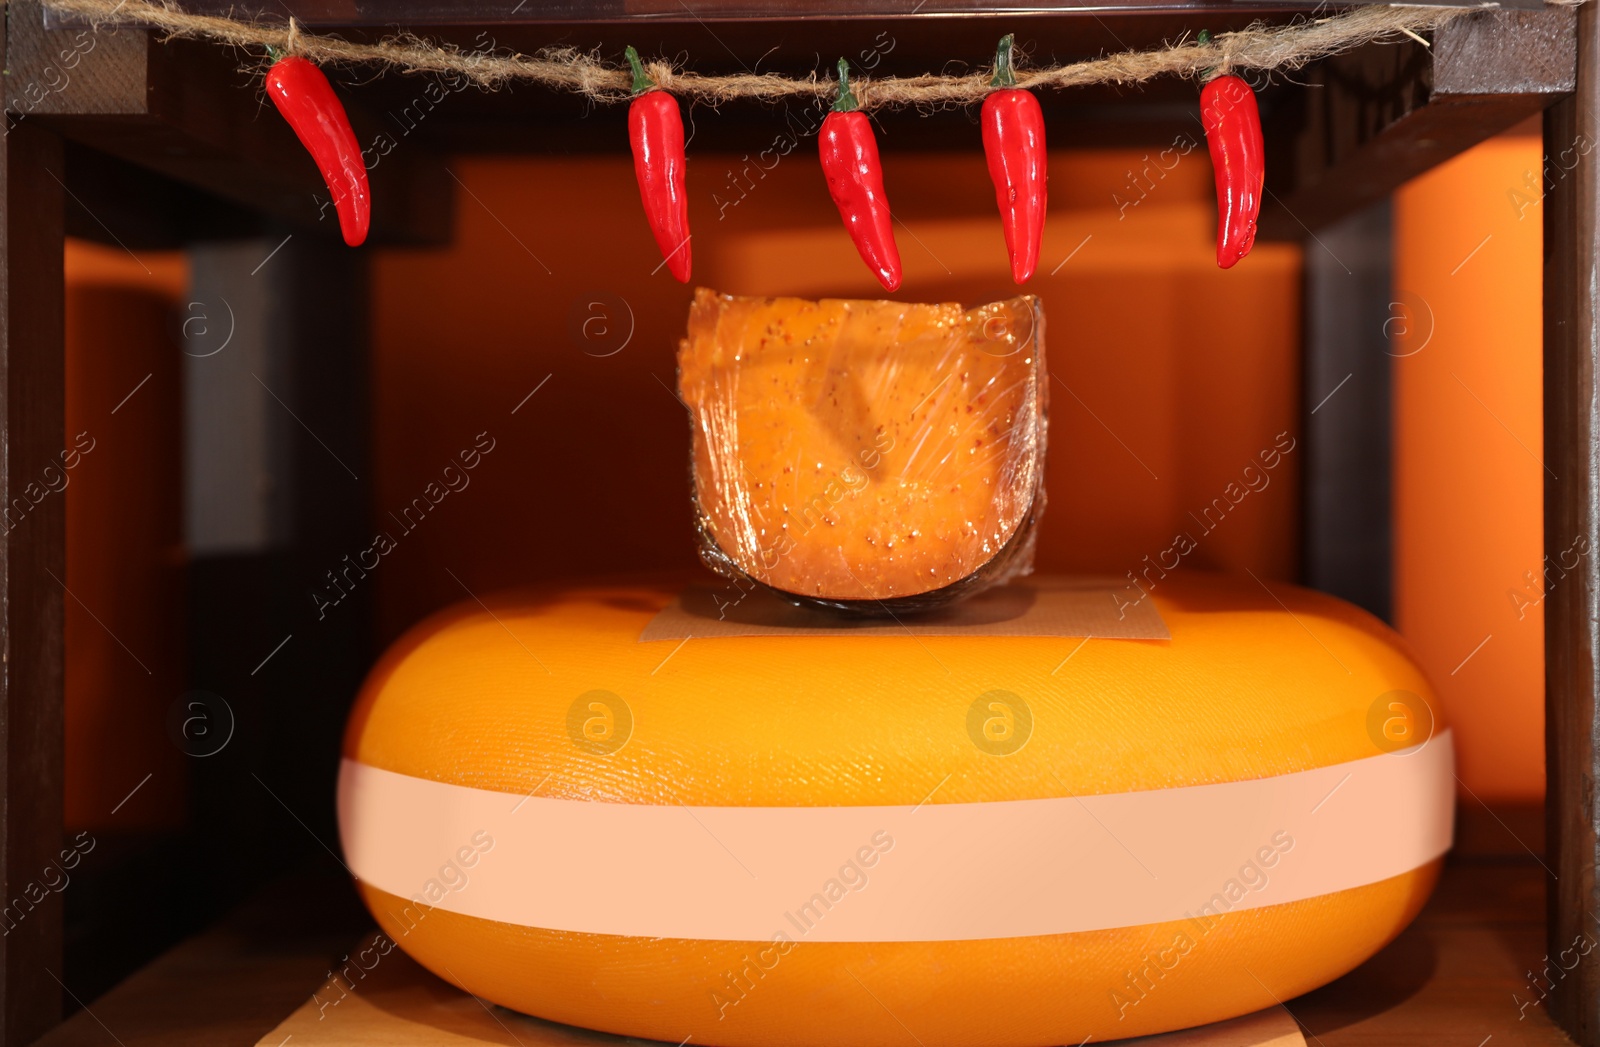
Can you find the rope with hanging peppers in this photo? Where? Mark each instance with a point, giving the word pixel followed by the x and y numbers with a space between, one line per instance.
pixel 849 154
pixel 1013 142
pixel 655 128
pixel 1233 134
pixel 303 95
pixel 1013 138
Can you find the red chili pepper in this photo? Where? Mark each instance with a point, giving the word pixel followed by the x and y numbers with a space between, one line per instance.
pixel 656 129
pixel 855 181
pixel 1233 132
pixel 1013 140
pixel 306 99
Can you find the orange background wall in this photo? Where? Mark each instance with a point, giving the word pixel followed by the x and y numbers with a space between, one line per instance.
pixel 1172 375
pixel 1468 481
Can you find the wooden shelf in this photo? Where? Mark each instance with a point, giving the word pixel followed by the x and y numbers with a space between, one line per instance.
pixel 1448 979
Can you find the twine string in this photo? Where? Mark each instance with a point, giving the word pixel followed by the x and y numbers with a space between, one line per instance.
pixel 1262 48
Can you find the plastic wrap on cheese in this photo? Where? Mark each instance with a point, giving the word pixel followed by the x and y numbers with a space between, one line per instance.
pixel 869 456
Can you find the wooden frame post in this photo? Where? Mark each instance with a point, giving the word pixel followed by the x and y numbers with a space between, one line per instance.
pixel 32 573
pixel 1572 522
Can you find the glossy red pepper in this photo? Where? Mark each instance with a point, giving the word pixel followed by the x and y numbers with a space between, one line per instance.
pixel 655 128
pixel 306 99
pixel 1013 141
pixel 1233 133
pixel 855 181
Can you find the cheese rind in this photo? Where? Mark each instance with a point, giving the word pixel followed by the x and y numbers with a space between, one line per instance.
pixel 866 455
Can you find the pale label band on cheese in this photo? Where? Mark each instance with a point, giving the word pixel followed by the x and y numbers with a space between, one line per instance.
pixel 936 872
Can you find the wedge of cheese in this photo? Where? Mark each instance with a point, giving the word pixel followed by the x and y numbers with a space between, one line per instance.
pixel 874 457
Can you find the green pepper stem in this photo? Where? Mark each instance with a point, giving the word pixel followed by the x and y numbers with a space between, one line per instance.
pixel 1203 38
pixel 845 102
pixel 1004 74
pixel 641 79
pixel 275 53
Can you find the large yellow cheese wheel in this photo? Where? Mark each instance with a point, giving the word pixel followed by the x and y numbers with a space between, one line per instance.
pixel 545 703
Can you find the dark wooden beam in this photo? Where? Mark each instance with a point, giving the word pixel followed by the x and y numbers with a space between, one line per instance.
pixel 195 113
pixel 1367 122
pixel 32 576
pixel 1572 529
pixel 123 205
pixel 653 12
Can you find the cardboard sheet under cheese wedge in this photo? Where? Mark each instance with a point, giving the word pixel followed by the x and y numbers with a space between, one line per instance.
pixel 866 456
pixel 1094 608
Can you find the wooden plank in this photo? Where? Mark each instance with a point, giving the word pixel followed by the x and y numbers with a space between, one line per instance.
pixel 1369 121
pixel 187 110
pixel 1572 522
pixel 32 575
